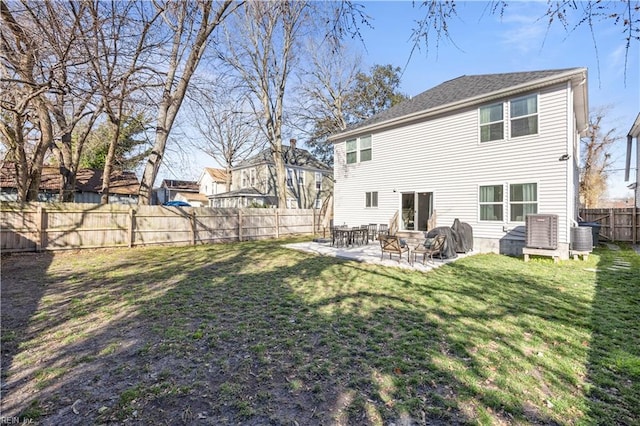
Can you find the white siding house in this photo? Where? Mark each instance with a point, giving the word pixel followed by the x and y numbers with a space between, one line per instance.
pixel 484 149
pixel 634 133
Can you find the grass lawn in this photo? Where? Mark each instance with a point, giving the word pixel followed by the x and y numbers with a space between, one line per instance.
pixel 254 333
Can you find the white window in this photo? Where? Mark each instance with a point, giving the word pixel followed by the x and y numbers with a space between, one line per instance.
pixel 352 151
pixel 359 149
pixel 491 200
pixel 252 177
pixel 491 123
pixel 523 200
pixel 292 203
pixel 290 178
pixel 524 116
pixel 318 181
pixel 300 175
pixel 317 204
pixel 365 148
pixel 371 199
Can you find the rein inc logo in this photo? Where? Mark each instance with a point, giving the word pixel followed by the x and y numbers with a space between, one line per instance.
pixel 4 420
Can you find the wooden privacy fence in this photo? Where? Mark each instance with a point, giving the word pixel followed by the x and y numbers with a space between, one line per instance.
pixel 621 224
pixel 43 226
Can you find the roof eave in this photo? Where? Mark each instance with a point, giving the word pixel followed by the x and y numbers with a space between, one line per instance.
pixel 577 75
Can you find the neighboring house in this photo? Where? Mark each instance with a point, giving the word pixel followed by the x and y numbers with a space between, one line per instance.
pixel 123 185
pixel 634 133
pixel 486 149
pixel 180 190
pixel 253 183
pixel 212 181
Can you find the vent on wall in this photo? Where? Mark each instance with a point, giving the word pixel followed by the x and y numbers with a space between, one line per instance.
pixel 542 231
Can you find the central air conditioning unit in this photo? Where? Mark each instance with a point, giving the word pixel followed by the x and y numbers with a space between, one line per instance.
pixel 542 231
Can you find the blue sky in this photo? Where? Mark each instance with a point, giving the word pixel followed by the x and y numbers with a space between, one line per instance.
pixel 517 41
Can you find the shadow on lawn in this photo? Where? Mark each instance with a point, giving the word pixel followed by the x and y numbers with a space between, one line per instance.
pixel 614 357
pixel 253 333
pixel 22 286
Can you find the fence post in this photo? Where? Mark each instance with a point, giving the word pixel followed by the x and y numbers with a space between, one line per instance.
pixel 239 225
pixel 41 228
pixel 313 222
pixel 277 224
pixel 192 217
pixel 132 219
pixel 612 222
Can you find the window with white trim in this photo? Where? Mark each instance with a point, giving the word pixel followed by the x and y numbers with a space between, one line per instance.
pixel 292 203
pixel 318 204
pixel 290 178
pixel 523 200
pixel 371 199
pixel 318 176
pixel 365 148
pixel 352 151
pixel 491 122
pixel 359 149
pixel 300 176
pixel 524 116
pixel 491 202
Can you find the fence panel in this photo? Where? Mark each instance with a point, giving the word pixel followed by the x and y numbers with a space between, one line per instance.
pixel 44 226
pixel 620 224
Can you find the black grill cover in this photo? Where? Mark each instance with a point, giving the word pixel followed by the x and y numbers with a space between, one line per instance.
pixel 464 240
pixel 449 250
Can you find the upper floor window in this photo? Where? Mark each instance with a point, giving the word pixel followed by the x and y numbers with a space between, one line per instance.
pixel 365 148
pixel 352 151
pixel 290 178
pixel 300 176
pixel 491 202
pixel 318 181
pixel 524 116
pixel 359 149
pixel 523 200
pixel 491 123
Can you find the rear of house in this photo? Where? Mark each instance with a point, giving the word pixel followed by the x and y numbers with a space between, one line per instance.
pixel 485 149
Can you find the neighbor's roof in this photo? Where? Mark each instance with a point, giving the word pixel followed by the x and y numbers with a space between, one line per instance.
pixel 464 90
pixel 292 157
pixel 87 180
pixel 183 185
pixel 218 175
pixel 242 192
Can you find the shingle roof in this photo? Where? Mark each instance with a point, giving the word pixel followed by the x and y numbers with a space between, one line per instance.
pixel 184 185
pixel 456 90
pixel 292 157
pixel 218 175
pixel 87 180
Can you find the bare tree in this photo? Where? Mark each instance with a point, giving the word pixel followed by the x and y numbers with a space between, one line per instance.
pixel 264 57
pixel 119 64
pixel 191 25
pixel 596 160
pixel 28 74
pixel 324 89
pixel 228 132
pixel 269 50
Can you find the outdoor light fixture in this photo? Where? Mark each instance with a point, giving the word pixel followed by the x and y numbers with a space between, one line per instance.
pixel 564 157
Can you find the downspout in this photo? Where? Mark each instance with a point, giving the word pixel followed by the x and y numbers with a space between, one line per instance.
pixel 570 195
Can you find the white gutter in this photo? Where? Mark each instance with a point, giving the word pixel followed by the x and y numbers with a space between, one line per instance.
pixel 580 73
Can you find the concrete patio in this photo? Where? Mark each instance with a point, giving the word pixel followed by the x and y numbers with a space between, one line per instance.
pixel 370 253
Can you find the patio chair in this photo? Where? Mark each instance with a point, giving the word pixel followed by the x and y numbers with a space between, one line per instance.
pixel 383 229
pixel 372 230
pixel 429 248
pixel 391 244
